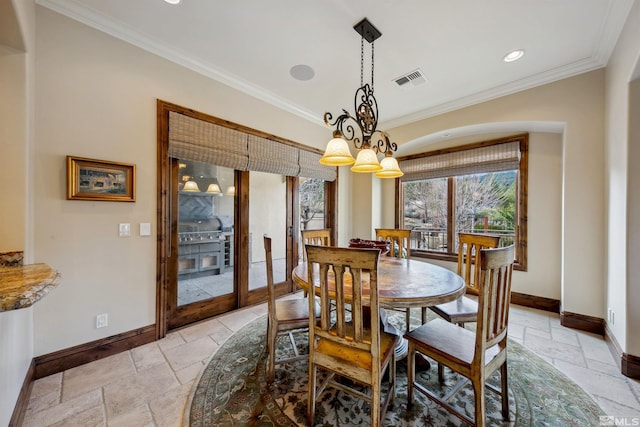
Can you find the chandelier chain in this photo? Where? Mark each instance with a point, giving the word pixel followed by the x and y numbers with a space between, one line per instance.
pixel 372 62
pixel 362 127
pixel 361 61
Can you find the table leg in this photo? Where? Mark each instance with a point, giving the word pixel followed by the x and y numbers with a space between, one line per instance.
pixel 402 348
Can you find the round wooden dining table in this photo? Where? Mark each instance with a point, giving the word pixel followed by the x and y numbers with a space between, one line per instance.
pixel 402 283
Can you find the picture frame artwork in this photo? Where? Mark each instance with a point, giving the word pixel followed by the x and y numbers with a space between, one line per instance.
pixel 100 180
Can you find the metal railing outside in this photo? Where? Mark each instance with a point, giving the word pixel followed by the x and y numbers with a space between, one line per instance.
pixel 435 239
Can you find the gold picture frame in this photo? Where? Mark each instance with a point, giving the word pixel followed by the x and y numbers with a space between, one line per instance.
pixel 101 180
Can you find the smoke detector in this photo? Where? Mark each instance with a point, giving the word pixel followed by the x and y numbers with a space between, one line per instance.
pixel 414 78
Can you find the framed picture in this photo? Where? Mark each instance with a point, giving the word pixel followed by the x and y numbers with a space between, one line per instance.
pixel 89 179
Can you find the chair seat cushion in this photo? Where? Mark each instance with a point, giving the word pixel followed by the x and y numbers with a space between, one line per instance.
pixel 294 311
pixel 446 339
pixel 353 356
pixel 461 310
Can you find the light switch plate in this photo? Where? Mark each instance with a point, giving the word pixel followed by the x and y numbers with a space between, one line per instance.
pixel 124 230
pixel 145 229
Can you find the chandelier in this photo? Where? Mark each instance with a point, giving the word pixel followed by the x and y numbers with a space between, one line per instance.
pixel 362 129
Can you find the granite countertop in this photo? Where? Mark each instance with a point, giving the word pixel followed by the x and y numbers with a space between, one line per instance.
pixel 23 286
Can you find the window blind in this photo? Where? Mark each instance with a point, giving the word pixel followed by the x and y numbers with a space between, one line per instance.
pixel 202 141
pixel 493 158
pixel 310 167
pixel 270 156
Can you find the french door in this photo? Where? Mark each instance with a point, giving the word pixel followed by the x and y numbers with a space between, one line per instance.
pixel 212 217
pixel 218 220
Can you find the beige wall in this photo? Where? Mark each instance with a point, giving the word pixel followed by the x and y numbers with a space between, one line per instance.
pixel 632 315
pixel 16 327
pixel 13 148
pixel 621 184
pixel 543 277
pixel 96 98
pixel 578 103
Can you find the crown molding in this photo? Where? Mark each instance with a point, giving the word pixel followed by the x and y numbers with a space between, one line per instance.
pixel 560 73
pixel 121 31
pixel 617 11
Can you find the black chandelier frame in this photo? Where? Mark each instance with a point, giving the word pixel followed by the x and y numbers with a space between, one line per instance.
pixel 362 129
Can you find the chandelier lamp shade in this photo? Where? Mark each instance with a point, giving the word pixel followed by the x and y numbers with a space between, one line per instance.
pixel 362 130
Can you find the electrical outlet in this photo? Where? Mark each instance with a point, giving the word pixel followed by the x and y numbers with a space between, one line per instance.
pixel 611 316
pixel 102 320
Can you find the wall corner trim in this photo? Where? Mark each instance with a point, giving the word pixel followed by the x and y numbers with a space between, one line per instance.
pixel 22 403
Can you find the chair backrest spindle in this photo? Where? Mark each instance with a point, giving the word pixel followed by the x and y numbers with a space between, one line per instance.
pixel 320 237
pixel 350 270
pixel 496 268
pixel 469 249
pixel 399 241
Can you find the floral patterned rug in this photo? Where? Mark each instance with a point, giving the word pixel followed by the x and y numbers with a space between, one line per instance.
pixel 232 391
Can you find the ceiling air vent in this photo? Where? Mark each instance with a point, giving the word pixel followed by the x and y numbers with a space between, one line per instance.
pixel 415 77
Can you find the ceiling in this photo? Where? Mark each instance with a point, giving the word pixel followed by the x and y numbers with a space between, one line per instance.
pixel 459 46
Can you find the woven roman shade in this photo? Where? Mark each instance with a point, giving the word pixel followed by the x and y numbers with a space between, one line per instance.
pixel 201 141
pixel 310 167
pixel 270 156
pixel 493 158
pixel 205 142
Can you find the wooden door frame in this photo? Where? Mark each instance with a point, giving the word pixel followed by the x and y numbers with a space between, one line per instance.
pixel 166 227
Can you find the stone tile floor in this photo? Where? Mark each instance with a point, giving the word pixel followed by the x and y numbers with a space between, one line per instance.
pixel 151 385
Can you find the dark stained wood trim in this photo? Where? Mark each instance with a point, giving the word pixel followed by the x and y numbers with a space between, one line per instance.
pixel 52 363
pixel 20 409
pixel 293 200
pixel 163 220
pixel 399 202
pixel 614 346
pixel 630 365
pixel 582 322
pixel 521 227
pixel 331 207
pixel 241 128
pixel 199 310
pixel 465 147
pixel 168 314
pixel 451 216
pixel 523 199
pixel 241 234
pixel 532 301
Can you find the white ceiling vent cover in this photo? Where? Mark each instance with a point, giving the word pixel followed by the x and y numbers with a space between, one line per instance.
pixel 415 77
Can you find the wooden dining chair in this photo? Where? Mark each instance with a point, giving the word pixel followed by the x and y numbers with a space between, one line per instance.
pixel 284 317
pixel 465 309
pixel 319 237
pixel 474 355
pixel 399 247
pixel 356 349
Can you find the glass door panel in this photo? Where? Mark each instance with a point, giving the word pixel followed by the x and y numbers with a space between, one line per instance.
pixel 201 282
pixel 267 215
pixel 311 208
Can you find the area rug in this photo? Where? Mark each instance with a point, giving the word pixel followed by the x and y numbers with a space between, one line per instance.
pixel 232 391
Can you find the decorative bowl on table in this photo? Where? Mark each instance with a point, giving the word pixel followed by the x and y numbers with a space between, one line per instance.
pixel 370 244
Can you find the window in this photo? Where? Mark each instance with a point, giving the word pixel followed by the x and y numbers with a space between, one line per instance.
pixel 477 188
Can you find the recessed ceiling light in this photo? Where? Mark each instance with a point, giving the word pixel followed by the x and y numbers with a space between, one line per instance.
pixel 302 72
pixel 513 56
pixel 172 1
